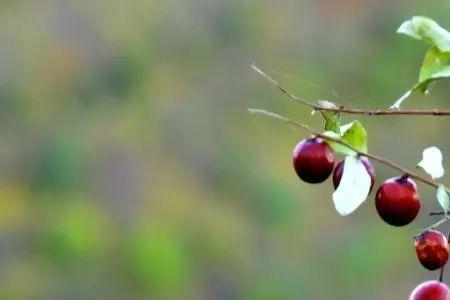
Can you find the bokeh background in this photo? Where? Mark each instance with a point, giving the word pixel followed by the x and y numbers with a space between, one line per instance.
pixel 130 168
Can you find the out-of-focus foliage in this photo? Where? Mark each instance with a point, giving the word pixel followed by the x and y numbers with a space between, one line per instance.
pixel 130 169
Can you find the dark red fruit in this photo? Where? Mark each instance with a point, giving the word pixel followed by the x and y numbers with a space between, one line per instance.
pixel 431 290
pixel 339 170
pixel 397 201
pixel 313 160
pixel 432 249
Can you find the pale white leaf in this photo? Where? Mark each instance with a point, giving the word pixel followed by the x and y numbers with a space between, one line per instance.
pixel 432 162
pixel 408 29
pixel 443 198
pixel 353 188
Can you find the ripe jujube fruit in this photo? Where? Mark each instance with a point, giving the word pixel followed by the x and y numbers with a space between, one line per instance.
pixel 397 201
pixel 313 160
pixel 432 249
pixel 431 290
pixel 339 170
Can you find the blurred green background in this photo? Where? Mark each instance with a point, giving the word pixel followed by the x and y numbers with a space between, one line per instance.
pixel 130 168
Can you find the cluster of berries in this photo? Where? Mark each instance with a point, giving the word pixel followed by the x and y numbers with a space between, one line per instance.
pixel 397 202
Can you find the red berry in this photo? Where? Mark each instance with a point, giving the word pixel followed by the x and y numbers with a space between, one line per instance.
pixel 339 170
pixel 431 290
pixel 432 249
pixel 313 160
pixel 397 201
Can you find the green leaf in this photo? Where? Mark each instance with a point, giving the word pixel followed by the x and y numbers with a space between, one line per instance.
pixel 332 118
pixel 356 135
pixel 433 62
pixel 435 66
pixel 425 29
pixel 441 74
pixel 338 148
pixel 353 134
pixel 443 198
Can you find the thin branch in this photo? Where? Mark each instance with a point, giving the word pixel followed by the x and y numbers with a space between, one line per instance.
pixel 437 224
pixel 438 213
pixel 377 158
pixel 342 109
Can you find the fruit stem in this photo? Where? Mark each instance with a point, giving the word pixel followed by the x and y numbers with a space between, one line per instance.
pixel 404 178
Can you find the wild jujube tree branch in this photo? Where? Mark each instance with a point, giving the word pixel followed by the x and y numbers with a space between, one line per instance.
pixel 343 109
pixel 383 160
pixel 377 158
pixel 438 213
pixel 397 199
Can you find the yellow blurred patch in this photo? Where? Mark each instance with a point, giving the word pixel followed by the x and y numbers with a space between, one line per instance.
pixel 13 208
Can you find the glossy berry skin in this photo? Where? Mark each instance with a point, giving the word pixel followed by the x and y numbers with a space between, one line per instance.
pixel 313 160
pixel 397 201
pixel 339 170
pixel 431 290
pixel 432 249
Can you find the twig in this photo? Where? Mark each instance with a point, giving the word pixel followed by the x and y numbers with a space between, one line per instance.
pixel 377 158
pixel 438 213
pixel 342 109
pixel 437 224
